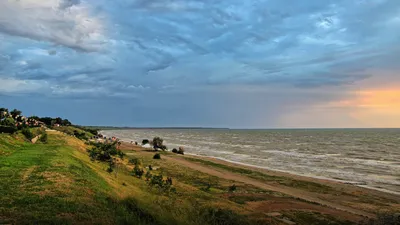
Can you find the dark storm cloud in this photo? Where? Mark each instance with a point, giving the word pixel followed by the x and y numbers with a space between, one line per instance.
pixel 127 49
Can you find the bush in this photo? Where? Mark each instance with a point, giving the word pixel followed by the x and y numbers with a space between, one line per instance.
pixel 7 130
pixel 174 150
pixel 157 156
pixel 104 151
pixel 111 165
pixel 158 181
pixel 27 133
pixel 181 151
pixel 43 138
pixel 145 141
pixel 138 172
pixel 80 135
pixel 232 188
pixel 158 143
pixel 148 176
pixel 9 122
pixel 135 161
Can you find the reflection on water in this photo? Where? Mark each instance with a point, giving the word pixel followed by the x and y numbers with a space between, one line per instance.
pixel 370 156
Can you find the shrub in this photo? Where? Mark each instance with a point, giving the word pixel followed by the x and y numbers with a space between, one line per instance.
pixel 157 156
pixel 80 135
pixel 159 182
pixel 135 161
pixel 9 122
pixel 156 180
pixel 104 151
pixel 43 138
pixel 150 167
pixel 181 151
pixel 27 133
pixel 174 150
pixel 232 188
pixel 148 176
pixel 8 130
pixel 145 141
pixel 138 172
pixel 158 143
pixel 111 165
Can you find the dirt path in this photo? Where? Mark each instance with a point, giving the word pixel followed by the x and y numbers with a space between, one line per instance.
pixel 285 190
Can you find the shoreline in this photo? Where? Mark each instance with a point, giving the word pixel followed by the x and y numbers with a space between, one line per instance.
pixel 276 172
pixel 291 174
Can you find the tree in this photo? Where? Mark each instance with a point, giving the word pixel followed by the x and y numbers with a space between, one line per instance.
pixel 158 142
pixel 3 112
pixel 47 120
pixel 15 113
pixel 59 120
pixel 10 122
pixel 66 122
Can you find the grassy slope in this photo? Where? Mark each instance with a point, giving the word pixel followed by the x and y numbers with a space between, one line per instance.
pixel 47 183
pixel 57 183
pixel 70 130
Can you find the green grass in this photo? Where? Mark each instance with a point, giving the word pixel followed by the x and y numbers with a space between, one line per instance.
pixel 56 183
pixel 45 183
pixel 70 131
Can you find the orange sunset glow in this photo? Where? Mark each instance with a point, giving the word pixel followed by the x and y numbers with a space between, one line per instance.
pixel 373 107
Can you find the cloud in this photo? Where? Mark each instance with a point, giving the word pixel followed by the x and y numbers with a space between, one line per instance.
pixel 68 23
pixel 200 51
pixel 14 86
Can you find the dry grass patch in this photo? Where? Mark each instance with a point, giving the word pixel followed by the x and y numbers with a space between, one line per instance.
pixel 28 172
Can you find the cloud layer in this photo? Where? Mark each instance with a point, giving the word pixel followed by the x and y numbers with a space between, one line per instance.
pixel 211 51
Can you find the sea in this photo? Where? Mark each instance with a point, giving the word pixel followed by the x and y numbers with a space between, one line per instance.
pixel 364 157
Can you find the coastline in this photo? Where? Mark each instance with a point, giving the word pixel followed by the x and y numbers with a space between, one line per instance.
pixel 277 172
pixel 280 173
pixel 326 193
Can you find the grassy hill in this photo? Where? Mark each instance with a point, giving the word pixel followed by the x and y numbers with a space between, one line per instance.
pixel 58 183
pixel 49 183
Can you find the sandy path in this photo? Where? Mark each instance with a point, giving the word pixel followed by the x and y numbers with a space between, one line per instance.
pixel 285 190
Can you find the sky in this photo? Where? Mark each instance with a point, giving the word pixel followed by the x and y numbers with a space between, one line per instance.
pixel 208 63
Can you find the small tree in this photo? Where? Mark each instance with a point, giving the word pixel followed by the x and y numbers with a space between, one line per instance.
pixel 158 143
pixel 15 113
pixel 3 113
pixel 181 151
